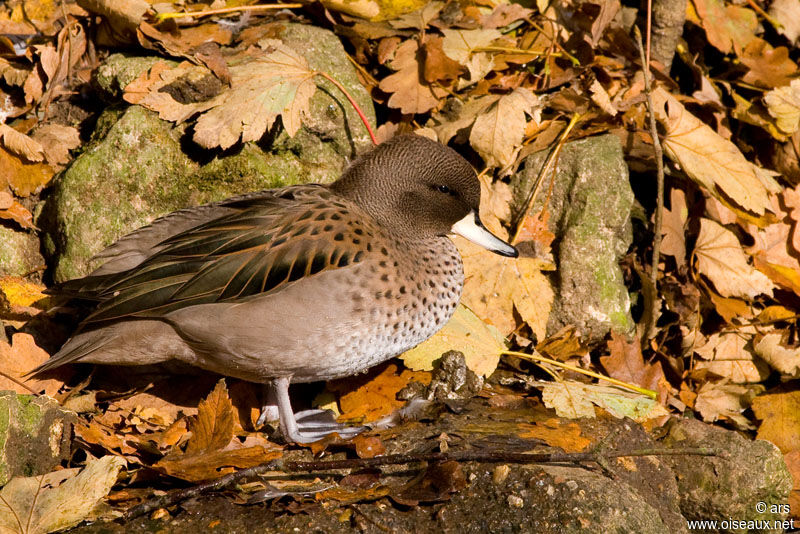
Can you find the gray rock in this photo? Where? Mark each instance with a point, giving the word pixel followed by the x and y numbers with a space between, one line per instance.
pixel 729 486
pixel 137 167
pixel 590 215
pixel 19 254
pixel 34 435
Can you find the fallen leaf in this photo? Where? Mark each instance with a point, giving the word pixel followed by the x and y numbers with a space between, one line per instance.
pixel 437 66
pixel 769 67
pixel 480 343
pixel 212 428
pixel 787 12
pixel 20 144
pixel 17 359
pixel 57 500
pixel 574 400
pixel 726 401
pixel 674 227
pixel 418 19
pixel 557 433
pixel 626 363
pixel 57 140
pixel 458 45
pixel 24 178
pixel 720 257
pixel 409 91
pixel 772 348
pixel 779 412
pixel 209 465
pixel 710 160
pixel 783 104
pixel 727 355
pixel 498 132
pixel 375 394
pixel 728 28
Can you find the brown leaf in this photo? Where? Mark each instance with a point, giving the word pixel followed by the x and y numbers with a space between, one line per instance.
pixel 728 28
pixel 437 66
pixel 557 432
pixel 368 446
pixel 674 222
pixel 626 363
pixel 375 394
pixel 779 412
pixel 729 355
pixel 208 465
pixel 769 67
pixel 498 132
pixel 57 140
pixel 212 429
pixel 20 144
pixel 23 355
pixel 25 179
pixel 436 485
pixel 15 211
pixel 409 91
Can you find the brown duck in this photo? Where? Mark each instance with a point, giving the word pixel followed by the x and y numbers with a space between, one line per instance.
pixel 297 284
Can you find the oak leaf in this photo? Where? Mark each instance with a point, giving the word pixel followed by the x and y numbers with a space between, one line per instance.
pixel 409 91
pixel 720 257
pixel 769 67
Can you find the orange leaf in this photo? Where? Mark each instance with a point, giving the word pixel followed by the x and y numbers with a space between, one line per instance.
pixel 212 429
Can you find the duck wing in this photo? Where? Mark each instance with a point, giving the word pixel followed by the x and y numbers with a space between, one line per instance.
pixel 259 247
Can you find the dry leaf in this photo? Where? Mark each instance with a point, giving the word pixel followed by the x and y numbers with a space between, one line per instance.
pixel 673 227
pixel 556 433
pixel 783 103
pixel 769 67
pixel 17 359
pixel 725 401
pixel 787 12
pixel 57 500
pixel 212 428
pixel 480 343
pixel 57 140
pixel 626 363
pixel 772 349
pixel 20 144
pixel 409 91
pixel 574 400
pixel 25 179
pixel 498 132
pixel 376 394
pixel 727 355
pixel 437 66
pixel 600 97
pixel 779 413
pixel 710 160
pixel 460 44
pixel 728 28
pixel 720 257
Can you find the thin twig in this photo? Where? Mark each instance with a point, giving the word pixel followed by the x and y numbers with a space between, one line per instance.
pixel 659 156
pixel 177 496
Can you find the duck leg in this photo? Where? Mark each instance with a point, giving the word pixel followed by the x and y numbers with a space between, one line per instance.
pixel 307 426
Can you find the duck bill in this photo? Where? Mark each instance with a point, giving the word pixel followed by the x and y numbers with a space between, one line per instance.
pixel 472 229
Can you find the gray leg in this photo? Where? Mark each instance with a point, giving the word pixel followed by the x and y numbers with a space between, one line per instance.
pixel 307 426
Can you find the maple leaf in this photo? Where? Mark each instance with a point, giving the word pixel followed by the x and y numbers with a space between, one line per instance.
pixel 710 160
pixel 374 395
pixel 480 343
pixel 409 91
pixel 769 67
pixel 57 500
pixel 24 178
pixel 498 132
pixel 277 83
pixel 720 257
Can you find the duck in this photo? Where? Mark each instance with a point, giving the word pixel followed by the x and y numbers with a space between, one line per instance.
pixel 297 284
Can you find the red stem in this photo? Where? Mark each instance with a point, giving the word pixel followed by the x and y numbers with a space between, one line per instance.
pixel 352 103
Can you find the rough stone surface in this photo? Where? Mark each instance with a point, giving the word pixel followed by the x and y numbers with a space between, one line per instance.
pixel 752 472
pixel 589 212
pixel 19 252
pixel 139 167
pixel 34 435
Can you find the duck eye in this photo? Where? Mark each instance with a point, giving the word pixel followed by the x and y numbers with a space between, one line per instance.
pixel 443 189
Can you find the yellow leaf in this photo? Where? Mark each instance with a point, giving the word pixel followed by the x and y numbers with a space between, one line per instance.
pixel 574 400
pixel 498 132
pixel 780 419
pixel 480 343
pixel 783 103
